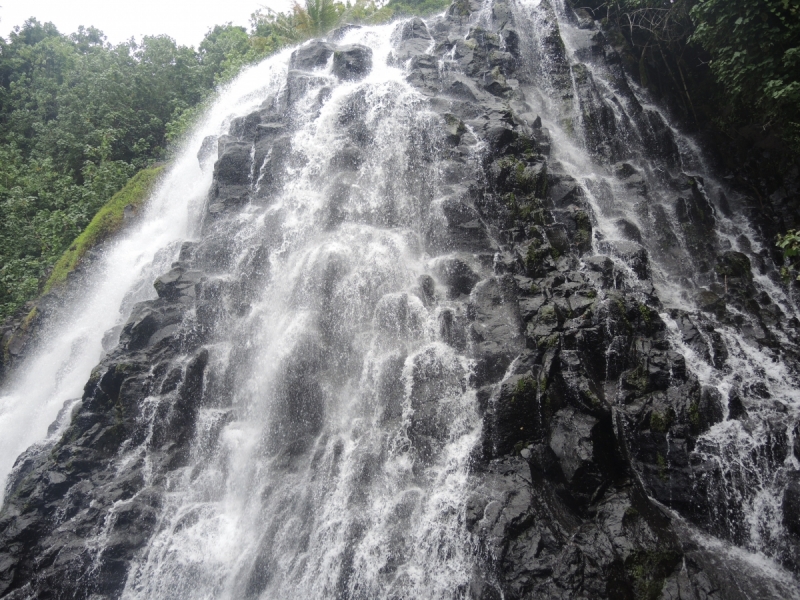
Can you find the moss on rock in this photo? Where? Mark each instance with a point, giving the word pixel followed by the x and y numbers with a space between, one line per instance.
pixel 106 222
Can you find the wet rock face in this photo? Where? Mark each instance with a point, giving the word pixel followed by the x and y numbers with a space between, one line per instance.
pixel 590 418
pixel 352 62
pixel 311 56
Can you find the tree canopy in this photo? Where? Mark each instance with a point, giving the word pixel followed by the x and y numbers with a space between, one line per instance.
pixel 755 54
pixel 80 116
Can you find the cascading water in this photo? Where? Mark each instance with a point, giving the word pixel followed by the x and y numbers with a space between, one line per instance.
pixel 633 165
pixel 57 372
pixel 315 489
pixel 404 343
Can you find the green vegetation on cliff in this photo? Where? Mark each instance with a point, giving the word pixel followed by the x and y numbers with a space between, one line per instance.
pixel 789 243
pixel 79 116
pixel 755 55
pixel 750 47
pixel 105 223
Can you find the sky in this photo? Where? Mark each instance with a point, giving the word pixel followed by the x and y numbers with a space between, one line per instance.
pixel 187 21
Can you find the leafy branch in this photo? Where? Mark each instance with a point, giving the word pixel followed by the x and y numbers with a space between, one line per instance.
pixel 789 243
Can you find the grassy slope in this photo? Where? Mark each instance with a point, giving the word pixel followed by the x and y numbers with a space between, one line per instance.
pixel 106 222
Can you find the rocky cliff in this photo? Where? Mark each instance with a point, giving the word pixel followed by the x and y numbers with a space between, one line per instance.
pixel 592 472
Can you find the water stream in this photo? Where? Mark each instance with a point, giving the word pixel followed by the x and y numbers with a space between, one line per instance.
pixel 315 489
pixel 73 343
pixel 333 448
pixel 752 456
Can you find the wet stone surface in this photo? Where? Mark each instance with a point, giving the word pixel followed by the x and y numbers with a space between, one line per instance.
pixel 591 421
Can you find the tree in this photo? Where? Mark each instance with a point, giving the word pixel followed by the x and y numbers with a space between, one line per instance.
pixel 77 118
pixel 789 243
pixel 317 17
pixel 755 51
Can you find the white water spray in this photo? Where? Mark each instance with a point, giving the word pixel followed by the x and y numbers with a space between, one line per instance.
pixel 72 343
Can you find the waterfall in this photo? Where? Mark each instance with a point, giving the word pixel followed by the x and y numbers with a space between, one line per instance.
pixel 314 489
pixel 441 310
pixel 628 131
pixel 54 376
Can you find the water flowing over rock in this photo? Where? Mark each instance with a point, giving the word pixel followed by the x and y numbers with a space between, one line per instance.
pixel 437 309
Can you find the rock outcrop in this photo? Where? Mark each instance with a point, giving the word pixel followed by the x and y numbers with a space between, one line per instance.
pixel 588 468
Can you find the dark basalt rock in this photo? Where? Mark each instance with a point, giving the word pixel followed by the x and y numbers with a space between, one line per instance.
pixel 791 503
pixel 414 40
pixel 633 254
pixel 463 229
pixel 149 322
pixel 592 422
pixel 734 265
pixel 457 276
pixel 233 166
pixel 352 62
pixel 207 149
pixel 496 328
pixel 178 284
pixel 313 55
pixel 298 83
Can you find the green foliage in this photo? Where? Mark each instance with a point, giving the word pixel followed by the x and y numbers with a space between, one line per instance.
pixel 694 416
pixel 317 18
pixel 662 467
pixel 638 379
pixel 583 231
pixel 222 52
pixel 536 253
pixel 646 314
pixel 79 116
pixel 107 221
pixel 755 51
pixel 525 390
pixel 582 220
pixel 660 423
pixel 184 119
pixel 789 243
pixel 648 570
pixel 41 212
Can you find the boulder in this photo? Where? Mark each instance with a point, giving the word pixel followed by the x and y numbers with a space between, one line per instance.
pixel 352 62
pixel 414 40
pixel 311 56
pixel 233 165
pixel 456 275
